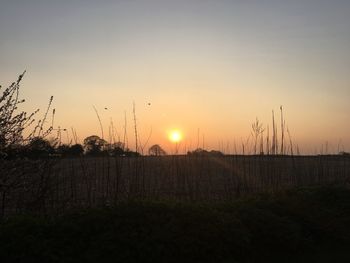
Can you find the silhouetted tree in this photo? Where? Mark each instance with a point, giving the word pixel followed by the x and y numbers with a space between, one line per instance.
pixel 130 153
pixel 198 151
pixel 156 150
pixel 94 145
pixel 216 153
pixel 39 148
pixel 63 150
pixel 202 152
pixel 117 151
pixel 115 145
pixel 76 150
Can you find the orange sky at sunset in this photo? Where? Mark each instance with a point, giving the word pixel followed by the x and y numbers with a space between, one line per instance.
pixel 207 66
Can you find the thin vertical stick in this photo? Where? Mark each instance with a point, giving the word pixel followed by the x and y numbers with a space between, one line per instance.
pixel 268 140
pixel 274 135
pixel 282 131
pixel 99 120
pixel 290 142
pixel 135 127
pixel 53 117
pixel 125 139
pixel 45 116
pixel 198 138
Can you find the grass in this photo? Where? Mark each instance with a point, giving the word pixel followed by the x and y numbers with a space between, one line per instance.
pixel 300 225
pixel 54 186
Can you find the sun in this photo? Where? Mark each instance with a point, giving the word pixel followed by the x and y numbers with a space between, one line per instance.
pixel 175 136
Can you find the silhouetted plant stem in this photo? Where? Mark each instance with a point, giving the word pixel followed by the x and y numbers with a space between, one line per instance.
pixel 282 131
pixel 100 122
pixel 135 126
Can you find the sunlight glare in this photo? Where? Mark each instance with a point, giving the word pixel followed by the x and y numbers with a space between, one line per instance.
pixel 175 136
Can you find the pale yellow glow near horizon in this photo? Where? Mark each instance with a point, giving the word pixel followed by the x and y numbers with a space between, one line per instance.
pixel 175 136
pixel 205 68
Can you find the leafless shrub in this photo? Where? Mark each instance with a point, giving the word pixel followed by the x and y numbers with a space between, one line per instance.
pixel 21 179
pixel 12 121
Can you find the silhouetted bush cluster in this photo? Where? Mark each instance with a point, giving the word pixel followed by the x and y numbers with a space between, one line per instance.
pixel 39 148
pixel 95 146
pixel 202 152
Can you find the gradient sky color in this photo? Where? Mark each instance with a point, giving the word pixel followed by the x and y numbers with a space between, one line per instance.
pixel 208 65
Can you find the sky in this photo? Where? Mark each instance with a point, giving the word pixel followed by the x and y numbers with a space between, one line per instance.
pixel 207 68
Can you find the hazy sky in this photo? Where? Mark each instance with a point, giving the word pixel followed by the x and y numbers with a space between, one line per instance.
pixel 214 65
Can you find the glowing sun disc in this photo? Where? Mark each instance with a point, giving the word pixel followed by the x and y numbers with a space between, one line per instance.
pixel 175 136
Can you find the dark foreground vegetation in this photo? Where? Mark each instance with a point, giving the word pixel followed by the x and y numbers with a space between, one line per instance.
pixel 299 225
pixel 53 186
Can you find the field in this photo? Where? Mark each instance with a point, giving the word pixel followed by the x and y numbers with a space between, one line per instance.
pixel 228 208
pixel 307 224
pixel 55 185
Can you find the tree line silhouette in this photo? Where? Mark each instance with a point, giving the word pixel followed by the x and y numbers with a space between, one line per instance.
pixel 40 147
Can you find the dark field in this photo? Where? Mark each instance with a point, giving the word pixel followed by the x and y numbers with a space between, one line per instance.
pixel 54 185
pixel 176 209
pixel 309 224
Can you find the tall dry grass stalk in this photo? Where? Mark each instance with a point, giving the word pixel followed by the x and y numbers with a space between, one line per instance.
pixel 135 127
pixel 282 131
pixel 99 121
